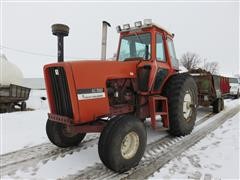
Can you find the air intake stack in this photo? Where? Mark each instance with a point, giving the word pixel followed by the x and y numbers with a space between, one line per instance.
pixel 60 30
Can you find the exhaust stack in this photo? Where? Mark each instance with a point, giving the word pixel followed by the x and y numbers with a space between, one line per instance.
pixel 105 25
pixel 60 30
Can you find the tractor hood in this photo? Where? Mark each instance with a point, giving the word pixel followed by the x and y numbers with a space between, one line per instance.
pixel 90 78
pixel 94 74
pixel 87 85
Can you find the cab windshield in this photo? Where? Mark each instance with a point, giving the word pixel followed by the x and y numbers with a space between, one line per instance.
pixel 135 46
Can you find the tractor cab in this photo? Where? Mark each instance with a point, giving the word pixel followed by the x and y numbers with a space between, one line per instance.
pixel 147 42
pixel 153 47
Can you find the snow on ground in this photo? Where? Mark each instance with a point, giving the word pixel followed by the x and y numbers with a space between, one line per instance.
pixel 216 156
pixel 35 100
pixel 61 167
pixel 24 129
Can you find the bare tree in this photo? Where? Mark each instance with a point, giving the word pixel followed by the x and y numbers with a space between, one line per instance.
pixel 212 67
pixel 190 60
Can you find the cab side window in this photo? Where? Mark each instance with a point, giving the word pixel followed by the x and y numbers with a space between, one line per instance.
pixel 160 48
pixel 124 49
pixel 172 53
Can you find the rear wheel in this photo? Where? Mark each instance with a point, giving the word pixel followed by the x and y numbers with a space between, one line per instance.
pixel 59 135
pixel 122 143
pixel 181 91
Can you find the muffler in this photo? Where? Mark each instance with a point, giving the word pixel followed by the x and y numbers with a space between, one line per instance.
pixel 105 25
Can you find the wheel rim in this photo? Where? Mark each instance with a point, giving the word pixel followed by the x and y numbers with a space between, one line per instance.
pixel 129 145
pixel 187 106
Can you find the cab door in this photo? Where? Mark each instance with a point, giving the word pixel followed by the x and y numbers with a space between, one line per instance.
pixel 162 62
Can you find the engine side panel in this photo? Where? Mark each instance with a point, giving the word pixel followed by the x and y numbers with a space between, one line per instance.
pixel 92 76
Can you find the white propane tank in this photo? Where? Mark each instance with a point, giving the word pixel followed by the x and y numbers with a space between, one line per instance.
pixel 9 73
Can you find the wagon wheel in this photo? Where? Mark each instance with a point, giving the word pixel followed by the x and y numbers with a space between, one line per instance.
pixel 10 107
pixel 217 105
pixel 23 106
pixel 237 96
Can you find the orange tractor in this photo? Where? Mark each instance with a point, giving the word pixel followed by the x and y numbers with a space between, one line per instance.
pixel 115 97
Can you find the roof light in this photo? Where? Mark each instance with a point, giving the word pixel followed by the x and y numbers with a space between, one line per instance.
pixel 147 22
pixel 126 26
pixel 138 24
pixel 118 28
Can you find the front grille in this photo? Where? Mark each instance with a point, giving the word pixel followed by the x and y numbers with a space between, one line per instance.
pixel 60 90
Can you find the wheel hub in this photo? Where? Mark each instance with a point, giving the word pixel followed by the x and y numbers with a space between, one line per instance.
pixel 187 105
pixel 130 145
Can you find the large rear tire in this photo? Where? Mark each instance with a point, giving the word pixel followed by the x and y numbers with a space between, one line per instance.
pixel 122 143
pixel 57 133
pixel 181 91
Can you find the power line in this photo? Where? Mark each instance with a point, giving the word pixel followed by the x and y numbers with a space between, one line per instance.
pixel 32 53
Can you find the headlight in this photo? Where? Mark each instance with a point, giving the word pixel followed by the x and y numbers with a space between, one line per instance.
pixel 147 22
pixel 126 26
pixel 138 24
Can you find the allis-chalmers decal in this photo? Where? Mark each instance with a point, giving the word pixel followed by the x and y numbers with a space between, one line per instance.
pixel 92 93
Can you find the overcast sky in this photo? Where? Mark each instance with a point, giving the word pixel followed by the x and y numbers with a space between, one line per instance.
pixel 208 29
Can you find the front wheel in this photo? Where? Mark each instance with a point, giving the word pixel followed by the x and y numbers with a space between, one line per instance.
pixel 122 143
pixel 58 134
